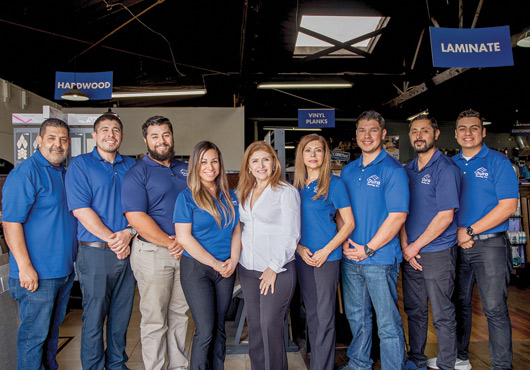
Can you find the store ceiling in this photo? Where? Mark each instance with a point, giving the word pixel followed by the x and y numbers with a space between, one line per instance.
pixel 230 46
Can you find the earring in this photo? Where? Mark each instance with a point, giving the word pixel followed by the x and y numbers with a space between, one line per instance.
pixel 249 171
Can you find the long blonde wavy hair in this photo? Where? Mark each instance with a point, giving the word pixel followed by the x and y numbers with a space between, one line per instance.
pixel 200 194
pixel 247 180
pixel 300 170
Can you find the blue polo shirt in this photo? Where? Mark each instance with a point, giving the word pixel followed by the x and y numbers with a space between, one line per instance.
pixel 318 225
pixel 486 178
pixel 34 195
pixel 216 240
pixel 92 182
pixel 376 190
pixel 152 188
pixel 434 188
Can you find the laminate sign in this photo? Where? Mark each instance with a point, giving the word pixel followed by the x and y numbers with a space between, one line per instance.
pixel 97 85
pixel 316 118
pixel 473 47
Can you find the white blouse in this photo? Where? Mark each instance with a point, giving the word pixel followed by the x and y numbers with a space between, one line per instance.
pixel 271 229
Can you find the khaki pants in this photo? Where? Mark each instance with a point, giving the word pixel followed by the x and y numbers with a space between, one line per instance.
pixel 162 304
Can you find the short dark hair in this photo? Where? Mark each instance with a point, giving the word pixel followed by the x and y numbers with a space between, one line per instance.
pixel 156 121
pixel 53 122
pixel 470 113
pixel 369 115
pixel 431 119
pixel 108 117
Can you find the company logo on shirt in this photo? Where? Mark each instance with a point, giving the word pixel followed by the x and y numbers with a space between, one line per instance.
pixel 481 173
pixel 373 181
pixel 184 172
pixel 234 202
pixel 426 179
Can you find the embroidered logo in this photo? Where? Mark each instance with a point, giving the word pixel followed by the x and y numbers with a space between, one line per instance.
pixel 481 173
pixel 373 181
pixel 184 172
pixel 426 179
pixel 234 202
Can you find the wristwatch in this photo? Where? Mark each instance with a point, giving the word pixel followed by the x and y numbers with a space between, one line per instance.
pixel 368 251
pixel 470 231
pixel 132 231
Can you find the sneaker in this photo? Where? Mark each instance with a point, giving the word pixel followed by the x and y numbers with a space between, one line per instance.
pixel 459 364
pixel 409 365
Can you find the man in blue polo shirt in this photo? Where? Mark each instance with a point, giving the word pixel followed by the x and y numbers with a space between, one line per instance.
pixel 149 192
pixel 93 186
pixel 428 243
pixel 487 199
pixel 40 233
pixel 378 189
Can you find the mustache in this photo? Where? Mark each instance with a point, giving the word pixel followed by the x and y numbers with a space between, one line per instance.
pixel 60 150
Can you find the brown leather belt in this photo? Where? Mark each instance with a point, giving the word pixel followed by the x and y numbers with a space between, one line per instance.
pixel 101 245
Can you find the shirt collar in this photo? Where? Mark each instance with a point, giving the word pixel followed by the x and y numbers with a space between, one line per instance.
pixel 42 161
pixel 377 159
pixel 151 162
pixel 96 155
pixel 437 153
pixel 481 154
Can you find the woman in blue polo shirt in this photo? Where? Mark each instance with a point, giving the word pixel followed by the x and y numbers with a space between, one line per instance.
pixel 206 221
pixel 323 195
pixel 270 219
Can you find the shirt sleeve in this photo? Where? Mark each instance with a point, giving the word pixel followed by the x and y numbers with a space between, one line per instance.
pixel 134 192
pixel 448 189
pixel 397 191
pixel 183 213
pixel 506 184
pixel 78 192
pixel 18 197
pixel 290 229
pixel 339 195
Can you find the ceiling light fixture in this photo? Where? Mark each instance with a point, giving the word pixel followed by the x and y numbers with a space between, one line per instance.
pixel 309 85
pixel 422 113
pixel 147 94
pixel 524 39
pixel 75 95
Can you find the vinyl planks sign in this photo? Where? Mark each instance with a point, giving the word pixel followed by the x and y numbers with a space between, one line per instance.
pixel 474 47
pixel 316 118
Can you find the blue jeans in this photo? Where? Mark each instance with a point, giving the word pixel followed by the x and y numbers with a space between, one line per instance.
pixel 107 284
pixel 364 286
pixel 208 295
pixel 41 313
pixel 488 263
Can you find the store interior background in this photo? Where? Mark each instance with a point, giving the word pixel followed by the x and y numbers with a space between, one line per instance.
pixel 229 47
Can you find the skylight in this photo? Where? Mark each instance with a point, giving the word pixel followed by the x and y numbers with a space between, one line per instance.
pixel 340 29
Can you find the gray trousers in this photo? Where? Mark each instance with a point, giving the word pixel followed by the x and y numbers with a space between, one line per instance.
pixel 265 317
pixel 318 286
pixel 435 283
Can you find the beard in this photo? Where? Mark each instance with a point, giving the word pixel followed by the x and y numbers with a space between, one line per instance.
pixel 169 154
pixel 428 146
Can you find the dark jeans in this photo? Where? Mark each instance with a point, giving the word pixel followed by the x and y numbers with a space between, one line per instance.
pixel 488 263
pixel 435 283
pixel 41 313
pixel 318 286
pixel 265 317
pixel 208 295
pixel 107 284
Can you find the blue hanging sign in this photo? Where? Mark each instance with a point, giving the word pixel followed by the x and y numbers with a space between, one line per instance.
pixel 474 47
pixel 316 118
pixel 97 85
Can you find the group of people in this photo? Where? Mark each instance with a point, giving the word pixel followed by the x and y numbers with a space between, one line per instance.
pixel 180 233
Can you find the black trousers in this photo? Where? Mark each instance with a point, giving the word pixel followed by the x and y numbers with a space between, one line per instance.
pixel 435 283
pixel 265 317
pixel 208 295
pixel 318 286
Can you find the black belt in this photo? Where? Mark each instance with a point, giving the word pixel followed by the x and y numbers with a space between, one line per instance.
pixel 143 239
pixel 101 245
pixel 487 236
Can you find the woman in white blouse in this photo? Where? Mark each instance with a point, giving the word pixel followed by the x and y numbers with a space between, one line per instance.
pixel 270 220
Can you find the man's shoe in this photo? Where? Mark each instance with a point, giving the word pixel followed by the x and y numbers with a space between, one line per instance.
pixel 409 365
pixel 459 364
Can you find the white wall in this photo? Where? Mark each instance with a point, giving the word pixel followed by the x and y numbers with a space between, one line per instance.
pixel 14 105
pixel 223 126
